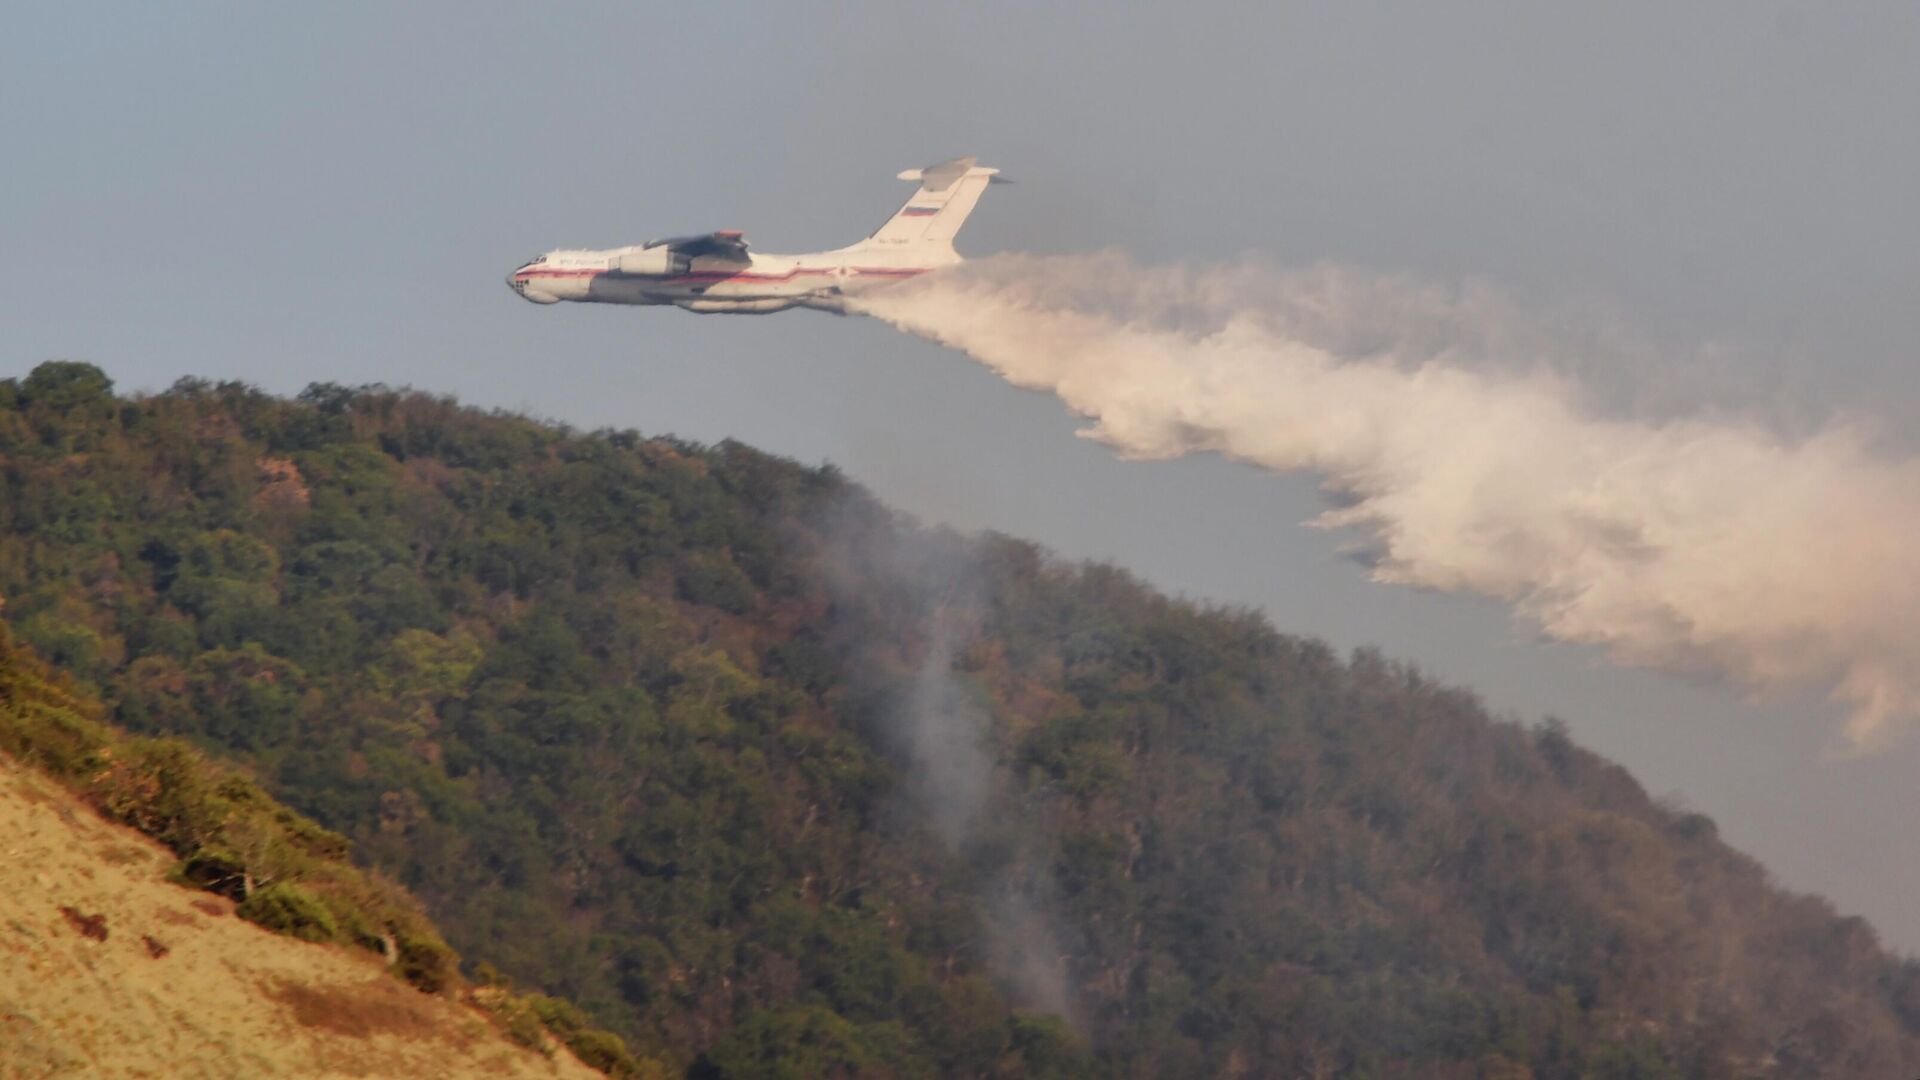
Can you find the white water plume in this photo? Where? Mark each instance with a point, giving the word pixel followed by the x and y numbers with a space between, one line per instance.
pixel 1698 542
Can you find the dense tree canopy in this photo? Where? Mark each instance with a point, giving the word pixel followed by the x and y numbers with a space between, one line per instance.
pixel 646 724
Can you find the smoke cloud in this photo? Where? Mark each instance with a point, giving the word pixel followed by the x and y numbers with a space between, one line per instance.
pixel 1464 462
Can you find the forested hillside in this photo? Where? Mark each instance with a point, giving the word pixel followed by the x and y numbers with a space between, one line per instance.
pixel 778 785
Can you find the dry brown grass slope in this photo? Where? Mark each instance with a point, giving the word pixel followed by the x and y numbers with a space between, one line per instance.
pixel 108 970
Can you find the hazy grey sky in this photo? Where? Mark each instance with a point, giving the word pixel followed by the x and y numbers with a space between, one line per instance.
pixel 335 192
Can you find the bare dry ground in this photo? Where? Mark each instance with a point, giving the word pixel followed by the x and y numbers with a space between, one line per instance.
pixel 107 970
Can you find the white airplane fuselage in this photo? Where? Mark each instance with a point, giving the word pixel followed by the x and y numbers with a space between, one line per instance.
pixel 761 284
pixel 716 273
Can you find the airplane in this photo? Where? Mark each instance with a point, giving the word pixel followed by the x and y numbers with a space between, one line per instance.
pixel 715 273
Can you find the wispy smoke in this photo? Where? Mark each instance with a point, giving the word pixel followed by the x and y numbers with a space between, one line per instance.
pixel 942 730
pixel 1695 542
pixel 947 735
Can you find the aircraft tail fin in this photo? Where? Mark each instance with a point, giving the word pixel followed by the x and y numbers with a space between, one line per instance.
pixel 932 217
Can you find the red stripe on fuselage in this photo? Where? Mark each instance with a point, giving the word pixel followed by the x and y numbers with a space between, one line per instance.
pixel 721 275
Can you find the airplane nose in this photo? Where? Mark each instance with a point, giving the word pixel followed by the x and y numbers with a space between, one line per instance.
pixel 519 281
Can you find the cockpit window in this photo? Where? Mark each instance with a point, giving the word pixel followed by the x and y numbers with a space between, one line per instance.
pixel 536 260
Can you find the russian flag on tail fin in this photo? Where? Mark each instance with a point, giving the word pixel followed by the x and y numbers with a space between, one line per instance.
pixel 932 217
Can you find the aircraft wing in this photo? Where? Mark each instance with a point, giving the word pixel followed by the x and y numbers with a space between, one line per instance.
pixel 724 244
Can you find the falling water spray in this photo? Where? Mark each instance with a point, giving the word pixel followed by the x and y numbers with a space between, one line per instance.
pixel 1697 543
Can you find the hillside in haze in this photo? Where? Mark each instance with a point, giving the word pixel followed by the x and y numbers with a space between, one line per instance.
pixel 774 783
